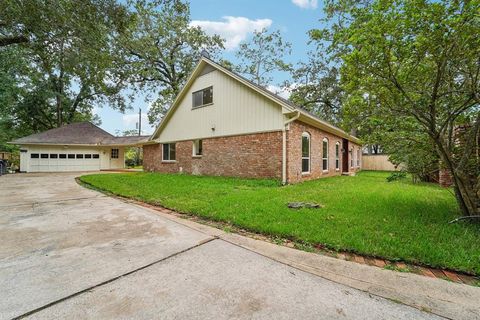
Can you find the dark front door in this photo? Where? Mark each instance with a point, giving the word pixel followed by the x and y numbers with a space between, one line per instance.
pixel 345 156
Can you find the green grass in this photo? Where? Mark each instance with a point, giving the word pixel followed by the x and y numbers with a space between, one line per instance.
pixel 364 214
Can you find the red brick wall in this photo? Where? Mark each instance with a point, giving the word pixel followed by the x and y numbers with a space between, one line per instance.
pixel 254 155
pixel 294 153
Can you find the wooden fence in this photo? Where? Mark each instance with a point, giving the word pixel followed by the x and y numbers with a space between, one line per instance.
pixel 378 162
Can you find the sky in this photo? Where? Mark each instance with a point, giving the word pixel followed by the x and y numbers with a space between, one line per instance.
pixel 235 21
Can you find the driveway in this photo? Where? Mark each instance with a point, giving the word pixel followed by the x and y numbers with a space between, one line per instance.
pixel 70 252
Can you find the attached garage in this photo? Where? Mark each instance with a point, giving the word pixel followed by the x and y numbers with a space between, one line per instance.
pixel 76 147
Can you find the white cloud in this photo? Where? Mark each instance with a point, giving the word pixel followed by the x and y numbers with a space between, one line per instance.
pixel 283 92
pixel 232 29
pixel 306 4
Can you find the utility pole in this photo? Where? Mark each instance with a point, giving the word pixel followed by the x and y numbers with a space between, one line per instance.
pixel 139 121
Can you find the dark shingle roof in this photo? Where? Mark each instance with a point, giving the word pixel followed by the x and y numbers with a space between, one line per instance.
pixel 81 133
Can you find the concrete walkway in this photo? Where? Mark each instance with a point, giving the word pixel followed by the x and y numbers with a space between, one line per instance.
pixel 69 252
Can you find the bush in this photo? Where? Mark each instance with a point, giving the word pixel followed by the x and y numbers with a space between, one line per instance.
pixel 396 176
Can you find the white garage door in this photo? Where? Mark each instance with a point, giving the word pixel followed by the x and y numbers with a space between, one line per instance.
pixel 71 160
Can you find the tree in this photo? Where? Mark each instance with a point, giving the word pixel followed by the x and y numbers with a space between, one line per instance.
pixel 315 86
pixel 413 66
pixel 163 48
pixel 70 61
pixel 262 55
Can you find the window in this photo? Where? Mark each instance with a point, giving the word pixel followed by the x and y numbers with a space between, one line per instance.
pixel 337 156
pixel 96 156
pixel 358 157
pixel 44 156
pixel 168 152
pixel 197 148
pixel 202 97
pixel 88 156
pixel 53 156
pixel 114 154
pixel 351 157
pixel 34 156
pixel 305 153
pixel 62 156
pixel 71 156
pixel 325 154
pixel 79 156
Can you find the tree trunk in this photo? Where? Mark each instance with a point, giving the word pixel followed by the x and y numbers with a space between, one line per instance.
pixel 465 191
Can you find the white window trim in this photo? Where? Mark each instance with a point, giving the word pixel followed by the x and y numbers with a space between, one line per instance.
pixel 323 156
pixel 112 153
pixel 358 158
pixel 306 134
pixel 168 161
pixel 337 156
pixel 203 104
pixel 352 161
pixel 194 149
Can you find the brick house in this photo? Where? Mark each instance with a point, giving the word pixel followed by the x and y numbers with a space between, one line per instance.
pixel 222 124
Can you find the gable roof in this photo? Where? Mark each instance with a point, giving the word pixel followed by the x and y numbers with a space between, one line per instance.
pixel 290 107
pixel 78 133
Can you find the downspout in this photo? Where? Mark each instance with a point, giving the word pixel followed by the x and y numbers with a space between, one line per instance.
pixel 284 146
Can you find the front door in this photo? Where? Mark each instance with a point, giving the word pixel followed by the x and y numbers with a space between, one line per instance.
pixel 345 156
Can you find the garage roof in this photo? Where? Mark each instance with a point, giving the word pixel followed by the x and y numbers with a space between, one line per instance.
pixel 79 133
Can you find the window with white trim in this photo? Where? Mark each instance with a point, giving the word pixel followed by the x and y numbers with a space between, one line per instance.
pixel 305 152
pixel 202 97
pixel 113 154
pixel 337 156
pixel 358 157
pixel 197 148
pixel 351 157
pixel 168 153
pixel 325 154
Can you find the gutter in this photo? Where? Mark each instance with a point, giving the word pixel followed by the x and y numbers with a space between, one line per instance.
pixel 284 146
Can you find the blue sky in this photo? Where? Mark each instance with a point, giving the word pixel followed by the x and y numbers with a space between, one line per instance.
pixel 235 20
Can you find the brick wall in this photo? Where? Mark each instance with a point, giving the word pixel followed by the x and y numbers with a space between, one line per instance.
pixel 294 153
pixel 254 155
pixel 445 178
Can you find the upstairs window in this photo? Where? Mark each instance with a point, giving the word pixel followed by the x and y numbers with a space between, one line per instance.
pixel 325 154
pixel 305 153
pixel 202 97
pixel 197 148
pixel 114 154
pixel 168 153
pixel 337 156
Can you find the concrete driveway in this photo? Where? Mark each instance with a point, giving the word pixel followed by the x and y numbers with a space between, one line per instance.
pixel 69 252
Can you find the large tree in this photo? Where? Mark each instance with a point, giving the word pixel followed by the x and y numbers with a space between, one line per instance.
pixel 163 48
pixel 262 55
pixel 69 59
pixel 315 86
pixel 414 67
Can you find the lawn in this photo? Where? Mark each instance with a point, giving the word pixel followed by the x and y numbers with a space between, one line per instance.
pixel 363 214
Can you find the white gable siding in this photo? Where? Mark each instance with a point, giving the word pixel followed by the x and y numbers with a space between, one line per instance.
pixel 236 110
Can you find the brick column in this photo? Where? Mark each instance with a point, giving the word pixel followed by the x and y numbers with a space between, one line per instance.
pixel 445 177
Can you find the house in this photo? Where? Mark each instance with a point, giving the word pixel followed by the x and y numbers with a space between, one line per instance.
pixel 80 146
pixel 222 124
pixel 219 124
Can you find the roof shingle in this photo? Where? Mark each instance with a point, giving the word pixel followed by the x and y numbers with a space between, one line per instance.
pixel 81 133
